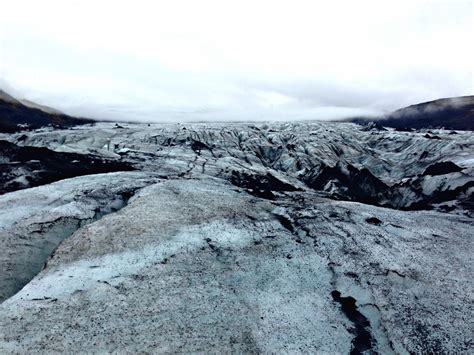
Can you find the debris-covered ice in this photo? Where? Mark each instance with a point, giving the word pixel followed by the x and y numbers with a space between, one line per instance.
pixel 246 238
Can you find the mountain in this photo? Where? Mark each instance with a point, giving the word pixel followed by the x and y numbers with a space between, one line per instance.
pixel 455 113
pixel 43 108
pixel 17 115
pixel 236 238
pixel 7 97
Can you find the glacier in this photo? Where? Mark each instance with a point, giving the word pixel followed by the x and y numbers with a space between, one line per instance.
pixel 309 237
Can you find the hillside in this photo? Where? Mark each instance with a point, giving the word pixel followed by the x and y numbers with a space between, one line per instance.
pixel 451 113
pixel 16 116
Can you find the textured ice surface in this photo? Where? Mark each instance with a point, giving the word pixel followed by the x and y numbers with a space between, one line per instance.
pixel 33 222
pixel 339 158
pixel 221 246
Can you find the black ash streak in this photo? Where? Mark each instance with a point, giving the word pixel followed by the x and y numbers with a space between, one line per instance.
pixel 363 340
pixel 43 166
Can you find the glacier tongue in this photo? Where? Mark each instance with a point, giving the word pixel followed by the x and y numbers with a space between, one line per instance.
pixel 234 238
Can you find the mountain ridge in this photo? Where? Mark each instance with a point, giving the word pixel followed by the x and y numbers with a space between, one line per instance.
pixel 17 115
pixel 455 113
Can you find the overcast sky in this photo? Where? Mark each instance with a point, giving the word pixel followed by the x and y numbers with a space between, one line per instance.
pixel 244 60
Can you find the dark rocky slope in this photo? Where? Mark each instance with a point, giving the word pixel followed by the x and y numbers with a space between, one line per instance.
pixel 16 116
pixel 451 113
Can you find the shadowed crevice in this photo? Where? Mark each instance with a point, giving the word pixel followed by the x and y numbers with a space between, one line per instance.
pixel 362 341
